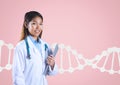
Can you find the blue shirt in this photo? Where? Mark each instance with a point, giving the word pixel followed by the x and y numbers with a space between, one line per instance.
pixel 37 43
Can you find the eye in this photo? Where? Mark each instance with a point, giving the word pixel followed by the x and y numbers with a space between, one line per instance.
pixel 40 24
pixel 33 23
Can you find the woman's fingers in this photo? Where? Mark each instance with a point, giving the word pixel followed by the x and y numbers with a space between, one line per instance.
pixel 50 61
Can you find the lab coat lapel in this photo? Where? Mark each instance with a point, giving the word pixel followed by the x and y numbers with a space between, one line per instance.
pixel 32 47
pixel 43 49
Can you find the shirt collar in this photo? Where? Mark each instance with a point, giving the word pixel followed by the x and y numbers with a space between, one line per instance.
pixel 33 40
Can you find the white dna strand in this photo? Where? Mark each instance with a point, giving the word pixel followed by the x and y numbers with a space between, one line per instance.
pixel 10 47
pixel 70 56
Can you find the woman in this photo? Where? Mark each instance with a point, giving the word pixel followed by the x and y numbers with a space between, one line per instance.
pixel 32 55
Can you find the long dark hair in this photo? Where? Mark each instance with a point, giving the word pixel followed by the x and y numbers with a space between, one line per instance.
pixel 27 18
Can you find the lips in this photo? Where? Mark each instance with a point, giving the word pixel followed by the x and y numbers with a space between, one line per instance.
pixel 37 31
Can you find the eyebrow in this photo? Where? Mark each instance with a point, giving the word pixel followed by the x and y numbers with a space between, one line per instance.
pixel 36 21
pixel 33 21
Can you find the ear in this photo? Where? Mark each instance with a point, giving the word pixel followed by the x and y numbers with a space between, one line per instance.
pixel 25 24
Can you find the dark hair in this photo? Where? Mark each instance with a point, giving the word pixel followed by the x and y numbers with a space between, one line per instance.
pixel 27 18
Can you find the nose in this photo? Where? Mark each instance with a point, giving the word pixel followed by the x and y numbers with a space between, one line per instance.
pixel 39 26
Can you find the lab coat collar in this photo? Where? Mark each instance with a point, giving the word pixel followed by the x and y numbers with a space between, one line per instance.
pixel 33 40
pixel 32 46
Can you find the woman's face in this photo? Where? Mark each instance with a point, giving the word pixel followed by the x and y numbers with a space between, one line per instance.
pixel 35 27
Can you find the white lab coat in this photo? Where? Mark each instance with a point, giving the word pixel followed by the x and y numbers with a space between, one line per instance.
pixel 30 71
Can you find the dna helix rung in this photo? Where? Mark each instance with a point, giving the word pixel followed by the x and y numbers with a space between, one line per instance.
pixel 72 54
pixel 112 53
pixel 10 47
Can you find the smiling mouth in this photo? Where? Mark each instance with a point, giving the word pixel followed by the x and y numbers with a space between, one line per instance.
pixel 37 31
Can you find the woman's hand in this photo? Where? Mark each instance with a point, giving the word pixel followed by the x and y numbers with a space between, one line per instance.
pixel 51 61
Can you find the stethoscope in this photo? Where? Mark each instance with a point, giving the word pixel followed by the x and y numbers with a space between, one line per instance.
pixel 46 50
pixel 49 51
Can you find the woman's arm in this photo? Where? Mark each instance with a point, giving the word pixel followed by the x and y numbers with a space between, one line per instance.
pixel 18 67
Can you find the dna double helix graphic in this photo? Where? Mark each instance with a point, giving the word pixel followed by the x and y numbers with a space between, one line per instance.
pixel 10 47
pixel 74 60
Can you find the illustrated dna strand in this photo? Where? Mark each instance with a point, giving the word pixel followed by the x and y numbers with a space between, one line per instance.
pixel 70 55
pixel 112 55
pixel 10 47
pixel 69 60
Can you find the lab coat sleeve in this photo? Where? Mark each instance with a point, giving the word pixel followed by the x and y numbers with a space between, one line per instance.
pixel 18 67
pixel 54 71
pixel 51 71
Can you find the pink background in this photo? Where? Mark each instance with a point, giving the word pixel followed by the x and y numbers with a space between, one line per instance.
pixel 89 26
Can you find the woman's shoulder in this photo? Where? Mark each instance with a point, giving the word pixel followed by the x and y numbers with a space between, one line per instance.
pixel 20 44
pixel 44 42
